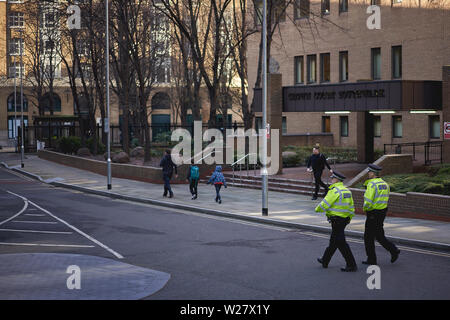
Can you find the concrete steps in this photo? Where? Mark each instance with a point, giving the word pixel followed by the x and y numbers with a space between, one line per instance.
pixel 304 187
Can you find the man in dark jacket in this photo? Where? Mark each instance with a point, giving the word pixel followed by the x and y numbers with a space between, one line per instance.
pixel 317 162
pixel 167 168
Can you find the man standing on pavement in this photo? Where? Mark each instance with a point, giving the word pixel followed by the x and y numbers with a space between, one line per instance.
pixel 318 162
pixel 167 168
pixel 339 207
pixel 376 200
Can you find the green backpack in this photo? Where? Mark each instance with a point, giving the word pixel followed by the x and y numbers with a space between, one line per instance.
pixel 195 173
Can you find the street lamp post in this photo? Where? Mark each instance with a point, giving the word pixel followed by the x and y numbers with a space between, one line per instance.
pixel 22 155
pixel 108 144
pixel 265 210
pixel 15 107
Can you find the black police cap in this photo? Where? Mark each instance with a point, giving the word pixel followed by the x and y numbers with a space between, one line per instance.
pixel 374 168
pixel 338 176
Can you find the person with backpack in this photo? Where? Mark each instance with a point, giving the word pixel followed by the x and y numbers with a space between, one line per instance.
pixel 193 177
pixel 167 168
pixel 218 180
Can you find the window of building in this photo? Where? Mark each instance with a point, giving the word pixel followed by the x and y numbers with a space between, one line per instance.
pixel 298 70
pixel 258 12
pixel 377 126
pixel 160 125
pixel 376 63
pixel 13 130
pixel 49 19
pixel 50 102
pixel 50 47
pixel 324 67
pixel 15 19
pixel 284 125
pixel 396 62
pixel 397 127
pixel 161 100
pixel 16 46
pixel 258 124
pixel 343 6
pixel 82 47
pixel 301 9
pixel 396 1
pixel 18 104
pixel 326 124
pixel 375 2
pixel 16 70
pixel 343 126
pixel 343 66
pixel 435 127
pixel 325 7
pixel 311 68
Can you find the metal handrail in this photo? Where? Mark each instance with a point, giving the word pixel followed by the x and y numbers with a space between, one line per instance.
pixel 240 166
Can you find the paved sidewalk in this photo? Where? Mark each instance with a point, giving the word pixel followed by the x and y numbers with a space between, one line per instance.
pixel 283 207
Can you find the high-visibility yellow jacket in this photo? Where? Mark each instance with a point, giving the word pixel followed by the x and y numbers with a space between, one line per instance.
pixel 376 196
pixel 337 202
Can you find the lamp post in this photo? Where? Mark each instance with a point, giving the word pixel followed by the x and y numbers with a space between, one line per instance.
pixel 108 144
pixel 15 107
pixel 22 156
pixel 265 210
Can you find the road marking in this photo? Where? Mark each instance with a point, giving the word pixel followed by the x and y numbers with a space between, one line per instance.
pixel 119 256
pixel 45 222
pixel 34 215
pixel 18 213
pixel 37 231
pixel 45 245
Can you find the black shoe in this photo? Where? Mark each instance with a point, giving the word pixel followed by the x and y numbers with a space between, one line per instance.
pixel 217 200
pixel 369 263
pixel 171 195
pixel 220 201
pixel 349 269
pixel 195 197
pixel 314 198
pixel 394 256
pixel 321 262
pixel 165 195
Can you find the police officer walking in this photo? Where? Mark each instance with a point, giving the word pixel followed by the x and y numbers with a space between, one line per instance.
pixel 339 207
pixel 376 200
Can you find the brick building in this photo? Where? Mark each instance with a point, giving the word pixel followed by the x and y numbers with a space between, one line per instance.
pixel 340 77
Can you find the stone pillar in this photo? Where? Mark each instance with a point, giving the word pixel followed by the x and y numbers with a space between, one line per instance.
pixel 446 109
pixel 275 111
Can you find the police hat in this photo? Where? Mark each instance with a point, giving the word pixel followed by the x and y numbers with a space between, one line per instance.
pixel 338 176
pixel 374 168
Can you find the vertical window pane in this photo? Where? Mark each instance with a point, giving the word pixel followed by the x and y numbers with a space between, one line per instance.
pixel 343 67
pixel 298 69
pixel 284 125
pixel 397 126
pixel 325 6
pixel 377 126
pixel 376 63
pixel 311 60
pixel 343 5
pixel 344 126
pixel 326 124
pixel 301 9
pixel 435 127
pixel 397 62
pixel 325 67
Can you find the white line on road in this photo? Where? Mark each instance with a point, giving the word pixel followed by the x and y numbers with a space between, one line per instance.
pixel 37 231
pixel 119 256
pixel 45 245
pixel 45 222
pixel 18 213
pixel 34 215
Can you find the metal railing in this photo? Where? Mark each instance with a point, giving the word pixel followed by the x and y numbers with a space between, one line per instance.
pixel 431 151
pixel 239 162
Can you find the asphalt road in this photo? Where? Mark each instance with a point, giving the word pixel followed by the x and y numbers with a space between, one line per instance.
pixel 207 257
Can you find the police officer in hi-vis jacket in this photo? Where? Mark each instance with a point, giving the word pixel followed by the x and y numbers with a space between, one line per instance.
pixel 339 208
pixel 376 200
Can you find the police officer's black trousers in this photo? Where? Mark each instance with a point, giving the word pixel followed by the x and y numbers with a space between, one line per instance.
pixel 374 230
pixel 337 241
pixel 318 181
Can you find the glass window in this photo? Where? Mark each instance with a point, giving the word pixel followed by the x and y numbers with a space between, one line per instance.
pixel 396 62
pixel 326 124
pixel 344 126
pixel 298 69
pixel 301 9
pixel 377 126
pixel 284 125
pixel 15 19
pixel 435 127
pixel 12 130
pixel 258 12
pixel 343 66
pixel 397 127
pixel 16 46
pixel 376 63
pixel 11 101
pixel 343 6
pixel 325 6
pixel 311 69
pixel 324 67
pixel 16 70
pixel 375 2
pixel 258 124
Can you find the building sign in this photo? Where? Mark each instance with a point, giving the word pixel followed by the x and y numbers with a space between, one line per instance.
pixel 447 130
pixel 344 94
